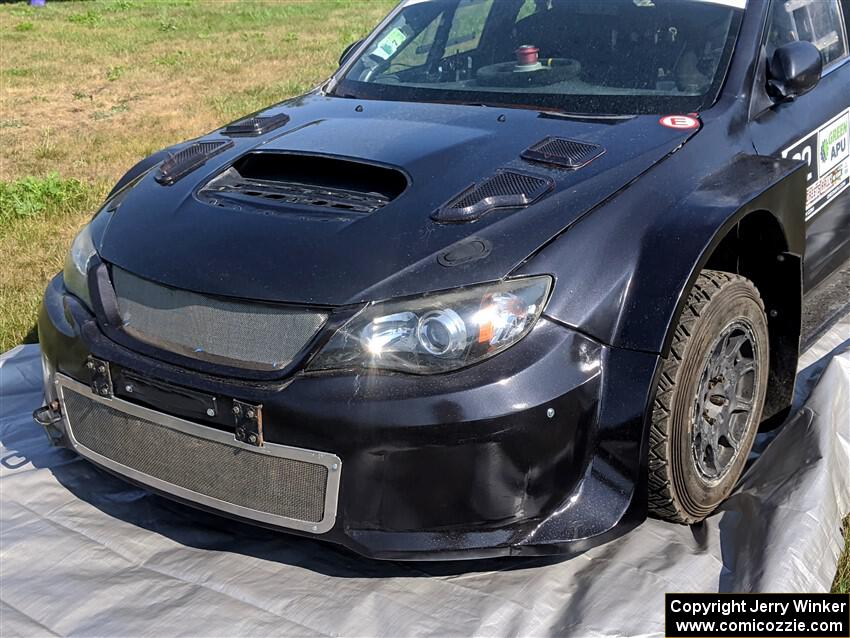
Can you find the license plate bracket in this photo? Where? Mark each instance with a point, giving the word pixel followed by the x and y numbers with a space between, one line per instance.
pixel 101 376
pixel 249 423
pixel 182 402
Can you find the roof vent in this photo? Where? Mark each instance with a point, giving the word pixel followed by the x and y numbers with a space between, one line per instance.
pixel 183 162
pixel 259 125
pixel 563 152
pixel 505 189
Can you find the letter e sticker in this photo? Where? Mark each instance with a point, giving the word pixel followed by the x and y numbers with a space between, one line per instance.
pixel 682 122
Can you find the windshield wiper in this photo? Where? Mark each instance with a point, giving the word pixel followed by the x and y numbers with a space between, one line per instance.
pixel 554 113
pixel 586 116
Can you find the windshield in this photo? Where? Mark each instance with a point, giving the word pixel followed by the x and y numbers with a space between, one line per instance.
pixel 580 56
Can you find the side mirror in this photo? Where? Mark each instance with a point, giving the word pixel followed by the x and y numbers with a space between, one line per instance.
pixel 348 50
pixel 794 70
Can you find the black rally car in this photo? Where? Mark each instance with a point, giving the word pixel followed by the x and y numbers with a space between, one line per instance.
pixel 519 273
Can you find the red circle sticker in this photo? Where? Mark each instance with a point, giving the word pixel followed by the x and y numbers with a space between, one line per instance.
pixel 679 121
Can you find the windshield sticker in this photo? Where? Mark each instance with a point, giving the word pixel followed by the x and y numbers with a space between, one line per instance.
pixel 681 122
pixel 389 44
pixel 826 151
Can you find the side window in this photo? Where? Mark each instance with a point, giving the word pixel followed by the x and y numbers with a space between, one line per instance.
pixel 464 34
pixel 529 8
pixel 820 22
pixel 467 26
pixel 415 52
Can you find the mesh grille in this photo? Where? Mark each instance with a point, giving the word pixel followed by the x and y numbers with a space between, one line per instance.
pixel 563 152
pixel 256 125
pixel 274 485
pixel 188 159
pixel 505 189
pixel 244 335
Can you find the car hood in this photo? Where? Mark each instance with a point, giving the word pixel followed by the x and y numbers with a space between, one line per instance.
pixel 169 235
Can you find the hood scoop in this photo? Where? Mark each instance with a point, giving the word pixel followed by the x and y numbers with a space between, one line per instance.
pixel 254 126
pixel 286 180
pixel 563 152
pixel 505 189
pixel 183 162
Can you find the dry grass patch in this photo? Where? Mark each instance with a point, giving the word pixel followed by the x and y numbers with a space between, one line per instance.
pixel 841 585
pixel 90 88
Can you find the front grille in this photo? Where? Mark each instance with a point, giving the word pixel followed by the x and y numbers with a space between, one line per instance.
pixel 203 465
pixel 240 334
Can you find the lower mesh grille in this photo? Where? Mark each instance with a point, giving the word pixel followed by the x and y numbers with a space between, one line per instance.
pixel 256 485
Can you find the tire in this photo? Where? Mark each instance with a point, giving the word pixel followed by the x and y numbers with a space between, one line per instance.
pixel 702 430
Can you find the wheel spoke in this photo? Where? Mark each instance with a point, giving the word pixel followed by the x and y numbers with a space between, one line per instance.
pixel 744 366
pixel 733 346
pixel 740 405
pixel 721 426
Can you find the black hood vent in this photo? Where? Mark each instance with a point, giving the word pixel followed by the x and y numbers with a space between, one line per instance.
pixel 287 180
pixel 183 162
pixel 254 126
pixel 563 152
pixel 505 189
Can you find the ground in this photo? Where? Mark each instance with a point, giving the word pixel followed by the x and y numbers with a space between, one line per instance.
pixel 89 88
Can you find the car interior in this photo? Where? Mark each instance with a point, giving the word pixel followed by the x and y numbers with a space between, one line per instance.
pixel 633 46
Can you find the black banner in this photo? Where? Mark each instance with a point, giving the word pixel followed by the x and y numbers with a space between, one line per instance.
pixel 762 615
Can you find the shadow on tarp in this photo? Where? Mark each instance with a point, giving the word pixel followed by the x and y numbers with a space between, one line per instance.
pixel 779 458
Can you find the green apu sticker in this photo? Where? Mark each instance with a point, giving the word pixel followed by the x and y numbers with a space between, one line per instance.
pixel 390 44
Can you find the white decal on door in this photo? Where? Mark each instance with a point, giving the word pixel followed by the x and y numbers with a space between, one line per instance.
pixel 826 151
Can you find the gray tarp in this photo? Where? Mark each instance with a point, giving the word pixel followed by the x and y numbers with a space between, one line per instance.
pixel 84 553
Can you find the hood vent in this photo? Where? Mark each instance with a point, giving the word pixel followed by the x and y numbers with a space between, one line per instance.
pixel 505 189
pixel 254 126
pixel 563 152
pixel 183 162
pixel 283 180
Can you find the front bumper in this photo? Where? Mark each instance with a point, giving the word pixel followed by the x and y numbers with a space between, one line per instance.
pixel 539 450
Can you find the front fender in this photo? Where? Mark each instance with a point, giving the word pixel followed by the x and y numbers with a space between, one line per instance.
pixel 624 271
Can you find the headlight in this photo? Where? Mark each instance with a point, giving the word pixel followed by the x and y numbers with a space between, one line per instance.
pixel 437 333
pixel 77 265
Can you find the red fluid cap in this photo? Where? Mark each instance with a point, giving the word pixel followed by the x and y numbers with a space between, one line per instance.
pixel 527 54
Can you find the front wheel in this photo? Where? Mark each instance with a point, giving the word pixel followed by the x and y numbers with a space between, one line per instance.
pixel 709 399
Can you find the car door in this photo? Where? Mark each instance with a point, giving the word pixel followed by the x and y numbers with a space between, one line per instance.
pixel 815 127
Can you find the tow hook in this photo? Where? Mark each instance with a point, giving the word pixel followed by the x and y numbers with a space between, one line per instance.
pixel 47 416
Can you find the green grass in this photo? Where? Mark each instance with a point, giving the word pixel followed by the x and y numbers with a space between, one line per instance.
pixel 89 88
pixel 31 196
